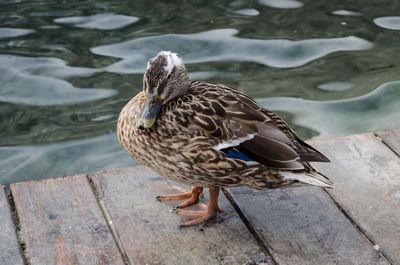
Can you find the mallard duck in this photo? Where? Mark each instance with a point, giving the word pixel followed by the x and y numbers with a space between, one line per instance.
pixel 210 135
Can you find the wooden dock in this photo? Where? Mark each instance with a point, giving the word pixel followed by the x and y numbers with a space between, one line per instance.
pixel 112 217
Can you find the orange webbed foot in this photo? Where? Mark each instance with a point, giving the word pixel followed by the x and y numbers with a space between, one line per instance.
pixel 208 213
pixel 202 217
pixel 191 196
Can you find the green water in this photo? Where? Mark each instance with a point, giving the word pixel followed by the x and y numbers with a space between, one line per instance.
pixel 330 68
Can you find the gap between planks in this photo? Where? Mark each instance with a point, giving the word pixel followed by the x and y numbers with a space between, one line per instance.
pixel 352 220
pixel 262 243
pixel 264 246
pixel 268 250
pixel 17 225
pixel 124 254
pixel 109 221
pixel 358 227
pixel 20 237
pixel 387 144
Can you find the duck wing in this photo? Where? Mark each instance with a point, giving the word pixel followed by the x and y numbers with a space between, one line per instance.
pixel 243 129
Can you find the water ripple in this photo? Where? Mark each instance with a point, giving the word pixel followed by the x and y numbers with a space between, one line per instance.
pixel 223 45
pixel 14 32
pixel 336 86
pixel 46 66
pixel 388 22
pixel 346 13
pixel 285 4
pixel 375 111
pixel 107 21
pixel 20 85
pixel 248 12
pixel 21 163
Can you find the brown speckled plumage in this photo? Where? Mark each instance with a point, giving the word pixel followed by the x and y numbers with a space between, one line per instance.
pixel 196 119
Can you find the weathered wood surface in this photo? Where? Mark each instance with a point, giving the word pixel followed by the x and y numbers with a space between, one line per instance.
pixel 10 252
pixel 303 226
pixel 149 231
pixel 61 223
pixel 367 185
pixel 392 139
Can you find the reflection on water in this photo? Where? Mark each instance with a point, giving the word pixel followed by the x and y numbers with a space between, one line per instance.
pixel 346 13
pixel 336 86
pixel 67 68
pixel 222 45
pixel 281 3
pixel 99 21
pixel 376 111
pixel 388 22
pixel 248 12
pixel 61 159
pixel 21 88
pixel 11 32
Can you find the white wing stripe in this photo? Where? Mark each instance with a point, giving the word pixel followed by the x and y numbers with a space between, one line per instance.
pixel 234 142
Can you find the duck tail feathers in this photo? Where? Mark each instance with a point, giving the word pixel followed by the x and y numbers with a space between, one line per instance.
pixel 309 178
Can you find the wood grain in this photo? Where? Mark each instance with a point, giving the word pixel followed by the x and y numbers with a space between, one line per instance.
pixel 149 231
pixel 367 185
pixel 303 226
pixel 61 223
pixel 10 252
pixel 392 139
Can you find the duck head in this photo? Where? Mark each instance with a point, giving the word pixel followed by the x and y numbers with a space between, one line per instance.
pixel 165 79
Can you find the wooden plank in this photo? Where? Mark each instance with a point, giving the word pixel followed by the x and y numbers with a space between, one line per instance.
pixel 61 223
pixel 392 139
pixel 303 226
pixel 149 231
pixel 367 185
pixel 10 252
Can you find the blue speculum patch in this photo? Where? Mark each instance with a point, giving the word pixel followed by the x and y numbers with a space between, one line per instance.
pixel 234 153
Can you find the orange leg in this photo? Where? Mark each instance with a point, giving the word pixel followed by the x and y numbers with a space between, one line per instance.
pixel 192 197
pixel 203 216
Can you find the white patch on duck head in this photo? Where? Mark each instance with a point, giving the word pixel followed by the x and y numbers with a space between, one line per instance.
pixel 172 61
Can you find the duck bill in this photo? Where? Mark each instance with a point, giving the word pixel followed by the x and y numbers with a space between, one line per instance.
pixel 149 112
